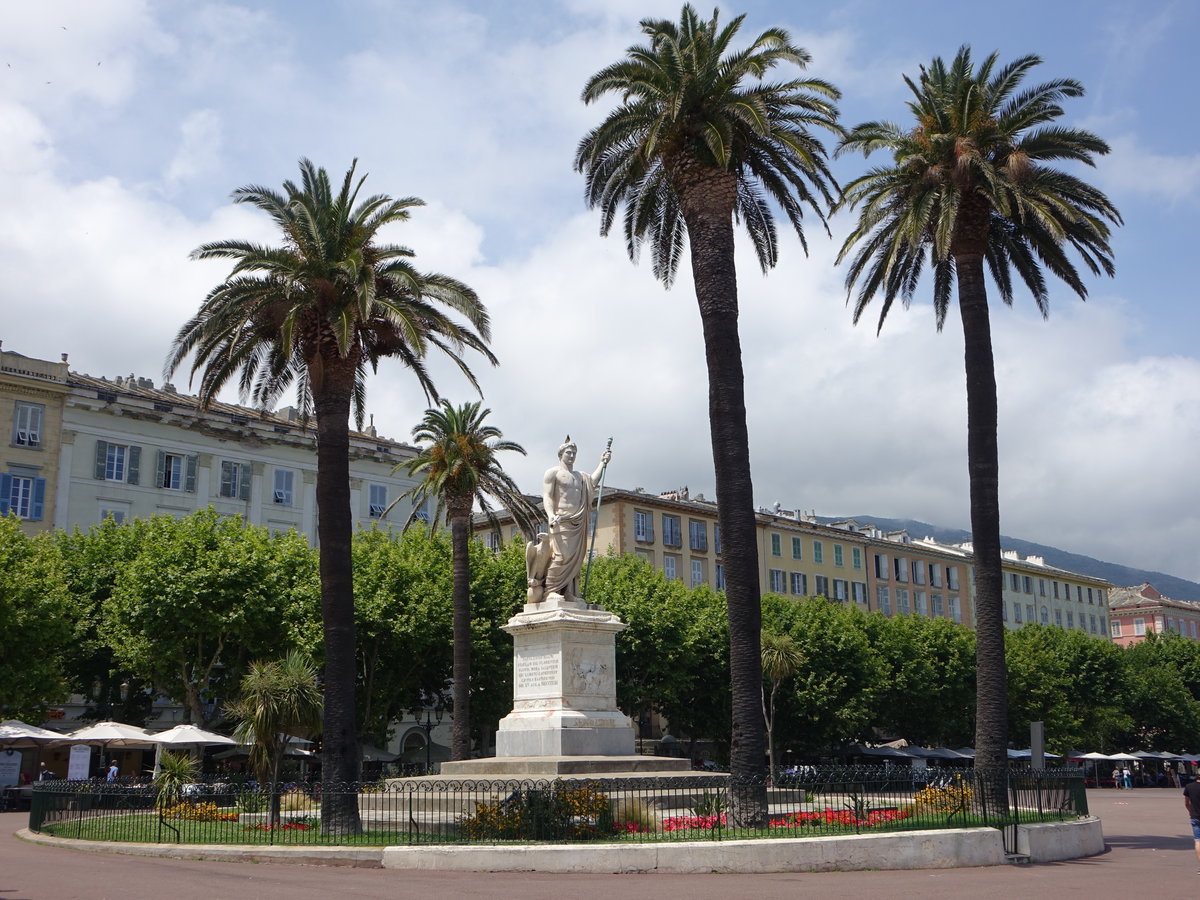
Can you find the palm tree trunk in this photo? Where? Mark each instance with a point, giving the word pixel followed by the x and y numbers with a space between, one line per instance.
pixel 991 675
pixel 339 743
pixel 708 209
pixel 460 545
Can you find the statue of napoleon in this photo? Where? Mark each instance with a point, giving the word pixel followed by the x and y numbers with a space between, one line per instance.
pixel 553 562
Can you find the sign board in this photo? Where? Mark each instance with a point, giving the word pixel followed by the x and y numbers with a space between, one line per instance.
pixel 10 767
pixel 81 762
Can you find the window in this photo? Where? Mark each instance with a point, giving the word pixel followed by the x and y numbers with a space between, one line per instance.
pixel 1079 593
pixel 799 584
pixel 1029 612
pixel 1058 617
pixel 646 556
pixel 818 552
pixel 117 462
pixel 698 536
pixel 918 572
pixel 719 576
pixel 1014 581
pixel 22 495
pixel 822 586
pixel 175 471
pixel 881 566
pixel 776 581
pixel 671 532
pixel 797 548
pixel 883 600
pixel 1101 596
pixel 776 545
pixel 27 424
pixel 1092 619
pixel 377 500
pixel 900 568
pixel 716 538
pixel 235 480
pixel 1003 611
pixel 901 602
pixel 1090 600
pixel 952 578
pixel 1104 626
pixel 837 555
pixel 697 572
pixel 491 539
pixel 919 606
pixel 1041 587
pixel 1070 619
pixel 1044 614
pixel 935 575
pixel 841 590
pixel 858 590
pixel 1054 586
pixel 118 513
pixel 955 610
pixel 937 610
pixel 669 567
pixel 284 479
pixel 856 557
pixel 643 526
pixel 1028 584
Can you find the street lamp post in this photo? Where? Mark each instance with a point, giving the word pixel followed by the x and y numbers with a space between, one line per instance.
pixel 429 718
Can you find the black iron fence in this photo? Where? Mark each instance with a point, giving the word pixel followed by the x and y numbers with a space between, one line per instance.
pixel 820 801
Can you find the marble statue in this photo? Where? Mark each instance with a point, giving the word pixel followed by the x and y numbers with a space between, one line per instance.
pixel 555 559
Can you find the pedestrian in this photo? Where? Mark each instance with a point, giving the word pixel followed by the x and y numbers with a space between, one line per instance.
pixel 1191 802
pixel 44 774
pixel 1126 776
pixel 112 771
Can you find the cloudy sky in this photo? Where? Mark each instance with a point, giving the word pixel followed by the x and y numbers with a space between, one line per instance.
pixel 125 125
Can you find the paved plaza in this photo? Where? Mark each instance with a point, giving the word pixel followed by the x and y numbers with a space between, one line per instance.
pixel 1149 855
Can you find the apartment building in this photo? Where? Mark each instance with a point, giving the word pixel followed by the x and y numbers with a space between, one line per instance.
pixel 1138 611
pixel 83 449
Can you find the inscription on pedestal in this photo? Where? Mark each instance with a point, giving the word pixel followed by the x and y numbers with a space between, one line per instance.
pixel 534 673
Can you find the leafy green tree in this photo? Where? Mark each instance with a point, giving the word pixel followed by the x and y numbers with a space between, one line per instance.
pixel 1166 714
pixel 33 620
pixel 318 311
pixel 832 698
pixel 194 606
pixel 279 700
pixel 697 141
pixel 673 656
pixel 927 693
pixel 972 184
pixel 781 659
pixel 458 464
pixel 1071 681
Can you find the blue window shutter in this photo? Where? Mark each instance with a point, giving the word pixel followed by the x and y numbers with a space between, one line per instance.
pixel 135 458
pixel 190 482
pixel 101 459
pixel 5 494
pixel 39 499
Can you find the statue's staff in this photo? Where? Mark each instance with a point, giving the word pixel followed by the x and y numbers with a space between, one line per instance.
pixel 592 544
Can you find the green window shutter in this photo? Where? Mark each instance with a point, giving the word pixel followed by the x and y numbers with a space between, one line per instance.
pixel 244 484
pixel 135 458
pixel 190 483
pixel 160 469
pixel 101 458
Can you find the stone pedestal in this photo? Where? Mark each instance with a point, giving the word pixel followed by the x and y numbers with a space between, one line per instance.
pixel 564 684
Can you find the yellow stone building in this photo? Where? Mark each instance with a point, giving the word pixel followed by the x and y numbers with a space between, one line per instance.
pixel 32 395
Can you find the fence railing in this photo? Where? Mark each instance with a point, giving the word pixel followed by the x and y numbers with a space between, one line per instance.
pixel 820 801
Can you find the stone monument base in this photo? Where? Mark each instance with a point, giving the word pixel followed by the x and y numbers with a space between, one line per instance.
pixel 558 766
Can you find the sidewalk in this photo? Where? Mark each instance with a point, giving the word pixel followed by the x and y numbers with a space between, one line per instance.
pixel 1150 852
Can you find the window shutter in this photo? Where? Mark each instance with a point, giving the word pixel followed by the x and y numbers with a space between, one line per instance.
pixel 244 484
pixel 226 478
pixel 5 493
pixel 160 469
pixel 101 458
pixel 190 483
pixel 135 457
pixel 39 499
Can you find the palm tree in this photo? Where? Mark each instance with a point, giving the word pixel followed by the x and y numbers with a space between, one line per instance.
pixel 781 659
pixel 318 311
pixel 280 700
pixel 972 183
pixel 458 465
pixel 697 141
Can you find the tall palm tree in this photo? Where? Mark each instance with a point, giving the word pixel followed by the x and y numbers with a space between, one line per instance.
pixel 973 183
pixel 280 699
pixel 458 464
pixel 698 140
pixel 781 659
pixel 318 311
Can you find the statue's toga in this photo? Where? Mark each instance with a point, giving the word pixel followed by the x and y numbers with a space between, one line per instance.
pixel 555 559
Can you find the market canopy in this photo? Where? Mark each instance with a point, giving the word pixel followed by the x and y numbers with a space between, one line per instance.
pixel 110 734
pixel 191 735
pixel 15 733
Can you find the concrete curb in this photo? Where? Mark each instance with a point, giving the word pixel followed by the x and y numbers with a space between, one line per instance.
pixel 932 849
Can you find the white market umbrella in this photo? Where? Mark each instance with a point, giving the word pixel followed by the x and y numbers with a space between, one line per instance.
pixel 189 736
pixel 116 734
pixel 15 733
pixel 1092 756
pixel 1128 756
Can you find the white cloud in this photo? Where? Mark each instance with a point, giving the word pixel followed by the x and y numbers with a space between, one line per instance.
pixel 1134 168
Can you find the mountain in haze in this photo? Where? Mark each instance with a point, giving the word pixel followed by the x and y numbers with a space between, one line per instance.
pixel 1118 575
